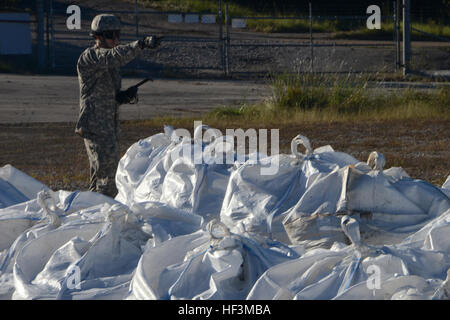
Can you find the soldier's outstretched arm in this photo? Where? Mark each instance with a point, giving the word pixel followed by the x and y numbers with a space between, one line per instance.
pixel 119 55
pixel 115 57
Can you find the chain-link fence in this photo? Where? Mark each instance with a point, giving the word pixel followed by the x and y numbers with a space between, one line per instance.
pixel 430 50
pixel 220 43
pixel 312 48
pixel 217 43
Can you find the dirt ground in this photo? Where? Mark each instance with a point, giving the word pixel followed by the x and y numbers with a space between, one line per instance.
pixel 51 153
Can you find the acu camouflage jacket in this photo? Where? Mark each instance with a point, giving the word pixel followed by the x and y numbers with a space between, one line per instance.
pixel 99 79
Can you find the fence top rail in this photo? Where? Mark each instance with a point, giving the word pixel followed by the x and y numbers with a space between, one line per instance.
pixel 18 21
pixel 307 44
pixel 131 38
pixel 142 11
pixel 306 17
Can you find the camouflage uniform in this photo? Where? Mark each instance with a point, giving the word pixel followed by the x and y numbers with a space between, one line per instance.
pixel 99 79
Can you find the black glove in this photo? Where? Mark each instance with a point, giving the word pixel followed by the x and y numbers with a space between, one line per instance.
pixel 127 96
pixel 151 42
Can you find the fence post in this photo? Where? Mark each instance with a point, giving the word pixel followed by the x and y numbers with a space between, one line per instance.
pixel 311 37
pixel 397 34
pixel 136 12
pixel 47 31
pixel 52 34
pixel 406 36
pixel 227 44
pixel 221 40
pixel 40 34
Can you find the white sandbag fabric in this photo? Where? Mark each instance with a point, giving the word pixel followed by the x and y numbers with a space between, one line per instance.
pixel 17 187
pixel 172 171
pixel 103 256
pixel 138 161
pixel 384 205
pixel 188 225
pixel 165 222
pixel 17 219
pixel 446 187
pixel 255 202
pixel 21 223
pixel 360 271
pixel 211 264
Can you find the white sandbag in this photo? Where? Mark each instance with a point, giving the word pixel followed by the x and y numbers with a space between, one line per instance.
pixel 34 256
pixel 172 170
pixel 389 209
pixel 446 187
pixel 255 202
pixel 165 222
pixel 81 260
pixel 356 272
pixel 212 264
pixel 397 287
pixel 9 195
pixel 138 160
pixel 20 186
pixel 14 220
pixel 24 222
pixel 433 236
pixel 142 169
pixel 426 254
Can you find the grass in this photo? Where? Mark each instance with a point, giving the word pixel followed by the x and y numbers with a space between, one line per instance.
pixel 322 98
pixel 17 5
pixel 387 30
pixel 6 67
pixel 409 127
pixel 196 6
pixel 342 29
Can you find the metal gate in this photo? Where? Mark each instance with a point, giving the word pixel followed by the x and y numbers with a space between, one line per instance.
pixel 309 51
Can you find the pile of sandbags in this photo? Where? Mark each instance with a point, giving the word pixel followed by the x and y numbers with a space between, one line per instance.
pixel 195 220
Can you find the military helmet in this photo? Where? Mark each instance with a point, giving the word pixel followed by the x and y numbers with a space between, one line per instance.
pixel 104 22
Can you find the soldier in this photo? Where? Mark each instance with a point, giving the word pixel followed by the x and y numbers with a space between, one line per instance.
pixel 100 96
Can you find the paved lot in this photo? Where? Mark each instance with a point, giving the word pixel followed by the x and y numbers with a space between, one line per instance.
pixel 28 99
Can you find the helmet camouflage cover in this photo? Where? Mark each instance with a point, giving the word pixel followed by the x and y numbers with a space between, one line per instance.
pixel 104 22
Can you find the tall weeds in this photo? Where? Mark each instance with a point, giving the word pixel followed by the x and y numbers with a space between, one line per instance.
pixel 336 97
